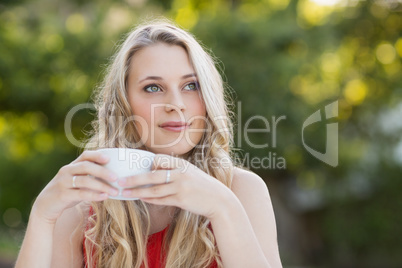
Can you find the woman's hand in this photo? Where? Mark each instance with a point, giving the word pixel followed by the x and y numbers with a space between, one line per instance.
pixel 188 187
pixel 65 191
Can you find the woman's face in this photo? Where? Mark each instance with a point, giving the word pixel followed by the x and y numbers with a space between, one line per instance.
pixel 165 99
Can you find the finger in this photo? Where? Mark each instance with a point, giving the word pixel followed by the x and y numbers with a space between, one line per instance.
pixel 94 184
pixel 154 191
pixel 156 177
pixel 90 168
pixel 93 156
pixel 87 195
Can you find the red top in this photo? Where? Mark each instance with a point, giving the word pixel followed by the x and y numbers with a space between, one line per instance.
pixel 154 249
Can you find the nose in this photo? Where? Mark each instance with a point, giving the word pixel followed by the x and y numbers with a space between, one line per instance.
pixel 175 102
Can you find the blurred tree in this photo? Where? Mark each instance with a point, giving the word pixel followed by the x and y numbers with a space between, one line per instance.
pixel 281 58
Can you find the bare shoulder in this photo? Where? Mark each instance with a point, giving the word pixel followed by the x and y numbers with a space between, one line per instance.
pixel 246 182
pixel 253 194
pixel 68 237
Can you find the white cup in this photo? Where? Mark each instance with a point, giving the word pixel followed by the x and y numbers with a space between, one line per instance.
pixel 126 162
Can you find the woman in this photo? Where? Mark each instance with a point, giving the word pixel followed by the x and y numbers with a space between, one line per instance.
pixel 163 94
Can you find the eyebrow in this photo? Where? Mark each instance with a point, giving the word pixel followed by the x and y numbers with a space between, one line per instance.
pixel 160 78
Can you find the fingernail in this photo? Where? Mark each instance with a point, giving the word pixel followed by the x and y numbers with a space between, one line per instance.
pixel 104 157
pixel 113 192
pixel 122 182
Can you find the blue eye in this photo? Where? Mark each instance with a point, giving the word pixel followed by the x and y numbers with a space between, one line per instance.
pixel 192 86
pixel 151 88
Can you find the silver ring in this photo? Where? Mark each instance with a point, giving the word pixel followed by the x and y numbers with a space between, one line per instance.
pixel 167 176
pixel 74 177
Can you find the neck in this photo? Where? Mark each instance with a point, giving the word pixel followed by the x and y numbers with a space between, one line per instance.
pixel 160 216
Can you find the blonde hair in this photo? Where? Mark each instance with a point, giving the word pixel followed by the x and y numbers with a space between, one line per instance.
pixel 117 236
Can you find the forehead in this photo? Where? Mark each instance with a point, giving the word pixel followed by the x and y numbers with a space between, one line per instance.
pixel 160 60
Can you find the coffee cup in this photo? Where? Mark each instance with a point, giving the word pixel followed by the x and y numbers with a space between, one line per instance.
pixel 125 162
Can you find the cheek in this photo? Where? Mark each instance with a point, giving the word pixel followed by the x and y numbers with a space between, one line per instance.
pixel 199 107
pixel 199 110
pixel 140 107
pixel 200 114
pixel 142 112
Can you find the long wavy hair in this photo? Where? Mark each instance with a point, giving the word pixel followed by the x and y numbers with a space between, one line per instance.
pixel 118 230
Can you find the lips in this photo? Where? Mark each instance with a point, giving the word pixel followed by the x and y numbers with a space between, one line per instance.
pixel 175 126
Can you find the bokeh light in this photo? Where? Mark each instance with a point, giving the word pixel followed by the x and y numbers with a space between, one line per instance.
pixel 12 217
pixel 54 43
pixel 385 53
pixel 355 91
pixel 76 23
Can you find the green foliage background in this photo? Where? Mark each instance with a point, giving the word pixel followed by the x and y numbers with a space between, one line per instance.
pixel 281 58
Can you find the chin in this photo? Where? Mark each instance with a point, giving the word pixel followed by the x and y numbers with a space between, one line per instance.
pixel 176 151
